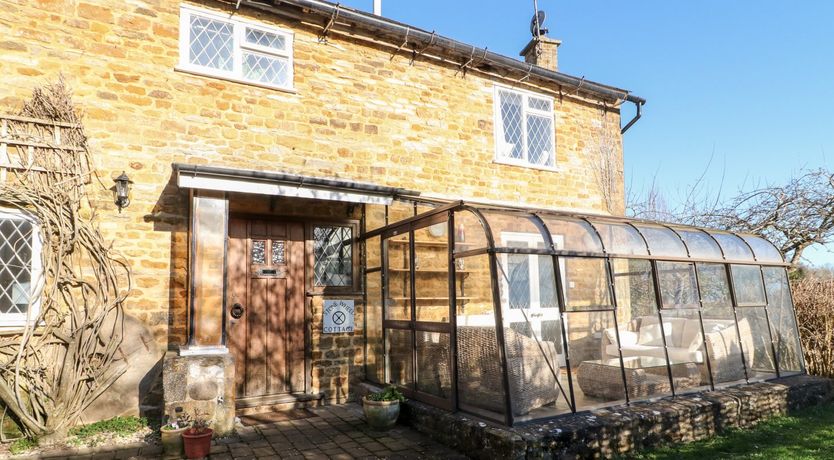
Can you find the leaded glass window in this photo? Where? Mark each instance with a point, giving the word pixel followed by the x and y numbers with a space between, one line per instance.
pixel 332 256
pixel 234 49
pixel 19 267
pixel 524 129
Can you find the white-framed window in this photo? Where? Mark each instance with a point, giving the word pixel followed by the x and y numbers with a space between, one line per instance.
pixel 236 49
pixel 524 128
pixel 20 268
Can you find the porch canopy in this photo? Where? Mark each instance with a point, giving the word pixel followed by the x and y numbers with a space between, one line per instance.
pixel 518 314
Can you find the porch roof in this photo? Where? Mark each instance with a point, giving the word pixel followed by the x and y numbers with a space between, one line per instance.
pixel 283 184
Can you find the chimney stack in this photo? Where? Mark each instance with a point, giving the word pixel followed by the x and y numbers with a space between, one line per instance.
pixel 543 52
pixel 378 7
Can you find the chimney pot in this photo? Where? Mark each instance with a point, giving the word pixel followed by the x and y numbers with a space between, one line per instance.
pixel 543 52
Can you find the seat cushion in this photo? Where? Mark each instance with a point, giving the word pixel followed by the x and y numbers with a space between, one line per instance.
pixel 683 355
pixel 651 334
pixel 691 337
pixel 638 350
pixel 676 354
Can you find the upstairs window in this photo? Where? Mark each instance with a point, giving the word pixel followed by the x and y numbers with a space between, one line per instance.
pixel 215 45
pixel 20 268
pixel 524 133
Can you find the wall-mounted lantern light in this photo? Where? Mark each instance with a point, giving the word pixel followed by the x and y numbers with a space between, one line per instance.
pixel 122 191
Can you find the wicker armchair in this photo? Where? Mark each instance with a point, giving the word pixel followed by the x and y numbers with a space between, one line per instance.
pixel 532 382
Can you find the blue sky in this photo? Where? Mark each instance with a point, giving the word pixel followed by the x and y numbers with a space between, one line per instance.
pixel 749 83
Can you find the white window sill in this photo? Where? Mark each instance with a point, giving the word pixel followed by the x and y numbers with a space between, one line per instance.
pixel 527 165
pixel 243 81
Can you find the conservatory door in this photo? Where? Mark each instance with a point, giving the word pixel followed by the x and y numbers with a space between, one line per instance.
pixel 266 307
pixel 533 308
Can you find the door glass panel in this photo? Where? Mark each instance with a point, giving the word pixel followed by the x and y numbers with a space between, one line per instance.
pixel 398 282
pixel 258 252
pixel 373 331
pixel 433 364
pixel 431 273
pixel 278 252
pixel 400 357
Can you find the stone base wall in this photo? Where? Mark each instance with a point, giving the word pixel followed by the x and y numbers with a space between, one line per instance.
pixel 616 430
pixel 202 386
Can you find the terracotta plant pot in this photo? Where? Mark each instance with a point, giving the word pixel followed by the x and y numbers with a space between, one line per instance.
pixel 381 415
pixel 172 441
pixel 197 445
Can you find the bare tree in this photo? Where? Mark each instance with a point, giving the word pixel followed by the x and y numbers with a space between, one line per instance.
pixel 606 160
pixel 793 216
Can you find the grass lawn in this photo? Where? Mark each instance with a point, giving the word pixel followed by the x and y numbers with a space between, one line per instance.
pixel 806 435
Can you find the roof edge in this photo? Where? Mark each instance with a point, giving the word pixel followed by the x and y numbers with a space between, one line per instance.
pixel 400 34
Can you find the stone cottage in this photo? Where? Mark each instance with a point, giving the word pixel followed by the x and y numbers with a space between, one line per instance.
pixel 264 142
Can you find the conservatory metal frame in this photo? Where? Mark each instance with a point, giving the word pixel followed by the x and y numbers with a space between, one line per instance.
pixel 763 255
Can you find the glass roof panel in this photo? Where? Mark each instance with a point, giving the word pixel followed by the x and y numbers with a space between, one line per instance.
pixel 572 234
pixel 620 238
pixel 700 245
pixel 733 246
pixel 764 250
pixel 662 241
pixel 469 232
pixel 512 226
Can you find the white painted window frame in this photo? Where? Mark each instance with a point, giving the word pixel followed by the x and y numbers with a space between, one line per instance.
pixel 15 320
pixel 239 26
pixel 498 131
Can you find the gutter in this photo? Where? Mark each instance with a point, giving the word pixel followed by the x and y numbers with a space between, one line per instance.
pixel 396 32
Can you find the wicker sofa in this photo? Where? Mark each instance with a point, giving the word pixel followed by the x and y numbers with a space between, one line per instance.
pixel 532 380
pixel 686 344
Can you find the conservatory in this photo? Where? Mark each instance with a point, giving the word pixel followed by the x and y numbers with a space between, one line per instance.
pixel 515 315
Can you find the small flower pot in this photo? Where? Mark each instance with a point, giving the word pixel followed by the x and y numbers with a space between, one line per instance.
pixel 172 441
pixel 381 415
pixel 197 445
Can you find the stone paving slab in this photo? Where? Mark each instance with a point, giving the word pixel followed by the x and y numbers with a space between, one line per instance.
pixel 333 433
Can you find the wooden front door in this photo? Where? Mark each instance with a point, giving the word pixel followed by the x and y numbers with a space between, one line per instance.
pixel 266 307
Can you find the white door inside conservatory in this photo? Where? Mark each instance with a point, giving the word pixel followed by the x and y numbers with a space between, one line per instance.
pixel 529 291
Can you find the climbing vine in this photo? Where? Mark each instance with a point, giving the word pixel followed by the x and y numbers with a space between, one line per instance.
pixel 67 353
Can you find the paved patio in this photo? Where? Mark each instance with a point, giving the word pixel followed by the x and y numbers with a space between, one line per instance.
pixel 331 432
